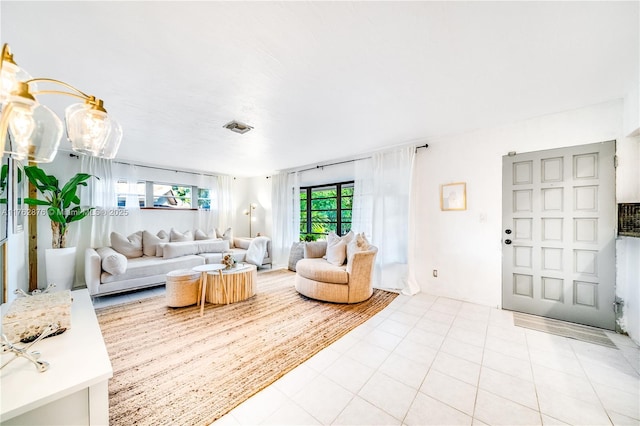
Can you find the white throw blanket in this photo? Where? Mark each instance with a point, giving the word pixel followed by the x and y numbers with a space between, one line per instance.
pixel 256 251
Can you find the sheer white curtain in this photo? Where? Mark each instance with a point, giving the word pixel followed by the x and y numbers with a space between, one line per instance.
pixel 285 199
pixel 207 219
pixel 225 202
pixel 362 211
pixel 99 193
pixel 381 209
pixel 95 230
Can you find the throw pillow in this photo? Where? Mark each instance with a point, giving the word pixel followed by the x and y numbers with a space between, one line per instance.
pixel 296 253
pixel 150 242
pixel 130 246
pixel 347 238
pixel 226 235
pixel 112 261
pixel 315 249
pixel 358 244
pixel 337 252
pixel 179 249
pixel 333 238
pixel 201 235
pixel 175 236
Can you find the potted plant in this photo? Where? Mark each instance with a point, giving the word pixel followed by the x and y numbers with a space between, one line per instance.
pixel 63 208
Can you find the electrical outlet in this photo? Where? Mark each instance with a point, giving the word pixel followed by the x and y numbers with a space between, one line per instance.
pixel 435 273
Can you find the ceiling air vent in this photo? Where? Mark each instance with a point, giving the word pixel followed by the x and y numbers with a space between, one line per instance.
pixel 236 126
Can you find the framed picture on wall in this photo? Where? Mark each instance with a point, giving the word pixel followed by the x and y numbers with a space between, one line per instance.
pixel 453 196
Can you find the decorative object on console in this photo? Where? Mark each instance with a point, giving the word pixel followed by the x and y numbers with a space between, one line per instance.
pixel 21 293
pixel 7 346
pixel 28 317
pixel 30 131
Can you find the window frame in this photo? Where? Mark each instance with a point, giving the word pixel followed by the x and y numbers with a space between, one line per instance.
pixel 148 195
pixel 339 206
pixel 126 194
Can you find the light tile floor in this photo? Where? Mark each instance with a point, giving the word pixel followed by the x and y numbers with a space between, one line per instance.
pixel 428 360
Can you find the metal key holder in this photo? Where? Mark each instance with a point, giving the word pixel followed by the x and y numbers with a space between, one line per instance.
pixel 24 351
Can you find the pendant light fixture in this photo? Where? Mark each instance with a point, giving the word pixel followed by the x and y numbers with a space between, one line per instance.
pixel 31 131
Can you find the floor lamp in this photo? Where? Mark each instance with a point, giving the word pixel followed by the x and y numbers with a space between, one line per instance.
pixel 249 212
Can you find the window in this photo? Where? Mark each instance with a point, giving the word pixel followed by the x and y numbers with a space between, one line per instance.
pixel 124 190
pixel 326 208
pixel 172 196
pixel 204 199
pixel 158 195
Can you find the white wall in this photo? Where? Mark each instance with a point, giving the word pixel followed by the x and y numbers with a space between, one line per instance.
pixel 255 190
pixel 465 246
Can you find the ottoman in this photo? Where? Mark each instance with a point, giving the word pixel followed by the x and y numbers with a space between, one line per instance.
pixel 182 288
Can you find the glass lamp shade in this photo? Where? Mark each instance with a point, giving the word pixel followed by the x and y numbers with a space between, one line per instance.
pixel 88 129
pixel 9 77
pixel 112 144
pixel 34 134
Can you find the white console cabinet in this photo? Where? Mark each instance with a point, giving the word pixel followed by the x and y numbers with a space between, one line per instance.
pixel 74 390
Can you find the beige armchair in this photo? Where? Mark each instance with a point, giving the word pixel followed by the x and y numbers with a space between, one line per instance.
pixel 351 283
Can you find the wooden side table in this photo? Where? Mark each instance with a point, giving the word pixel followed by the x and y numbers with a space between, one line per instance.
pixel 202 287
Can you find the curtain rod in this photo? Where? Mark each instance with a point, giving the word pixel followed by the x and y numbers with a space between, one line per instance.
pixel 155 167
pixel 346 161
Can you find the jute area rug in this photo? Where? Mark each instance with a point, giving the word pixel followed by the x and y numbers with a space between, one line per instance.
pixel 173 367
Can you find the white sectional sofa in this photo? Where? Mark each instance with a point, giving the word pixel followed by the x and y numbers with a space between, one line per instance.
pixel 108 271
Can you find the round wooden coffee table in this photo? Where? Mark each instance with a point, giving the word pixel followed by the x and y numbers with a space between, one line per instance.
pixel 233 285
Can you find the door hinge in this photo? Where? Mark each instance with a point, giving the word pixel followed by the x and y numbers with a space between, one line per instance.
pixel 615 161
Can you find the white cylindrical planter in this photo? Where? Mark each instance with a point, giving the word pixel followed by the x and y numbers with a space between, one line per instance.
pixel 61 267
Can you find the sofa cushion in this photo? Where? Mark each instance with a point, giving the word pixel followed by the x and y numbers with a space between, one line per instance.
pixel 150 242
pixel 113 262
pixel 318 269
pixel 130 246
pixel 146 266
pixel 212 246
pixel 315 249
pixel 175 236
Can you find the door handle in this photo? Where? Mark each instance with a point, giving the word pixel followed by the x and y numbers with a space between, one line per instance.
pixel 507 242
pixel 507 231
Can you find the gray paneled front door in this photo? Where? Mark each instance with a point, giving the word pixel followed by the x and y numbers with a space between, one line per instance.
pixel 558 238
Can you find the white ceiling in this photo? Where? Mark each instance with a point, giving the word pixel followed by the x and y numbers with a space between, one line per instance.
pixel 320 80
